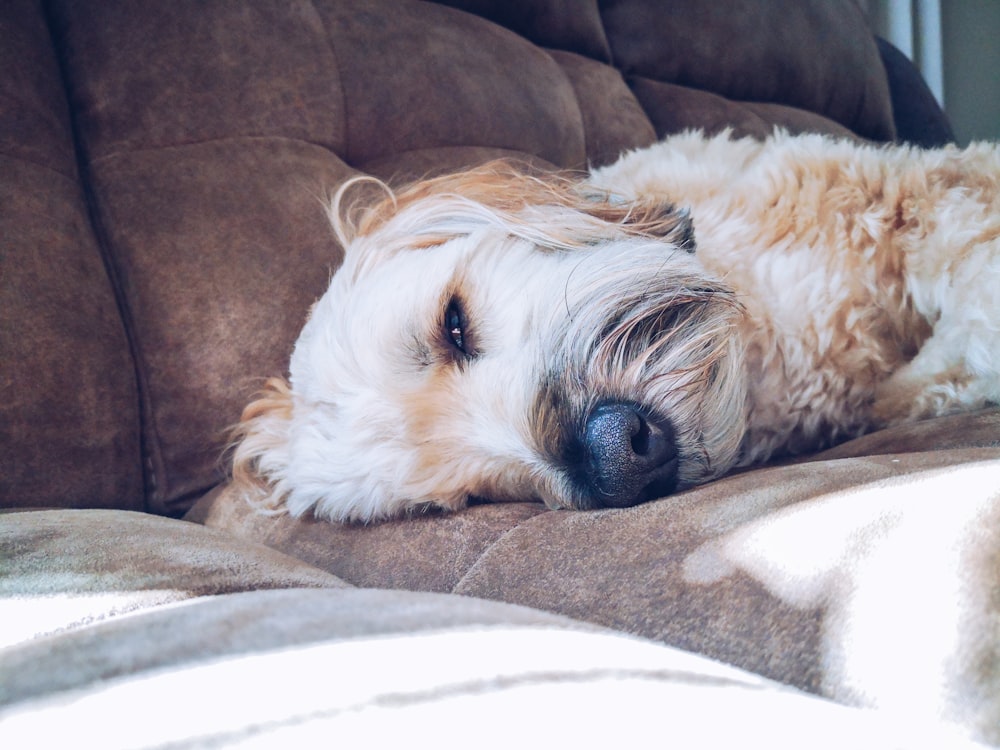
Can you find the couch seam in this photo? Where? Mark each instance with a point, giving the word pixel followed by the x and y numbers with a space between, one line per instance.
pixel 581 121
pixel 85 182
pixel 342 89
pixel 152 149
pixel 455 589
pixel 41 165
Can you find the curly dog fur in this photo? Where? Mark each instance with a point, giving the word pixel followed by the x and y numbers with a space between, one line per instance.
pixel 502 335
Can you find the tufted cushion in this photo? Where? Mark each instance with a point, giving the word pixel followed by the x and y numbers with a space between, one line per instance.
pixel 816 55
pixel 68 405
pixel 573 25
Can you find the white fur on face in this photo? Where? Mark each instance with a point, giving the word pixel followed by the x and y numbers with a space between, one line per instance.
pixel 405 419
pixel 385 414
pixel 387 417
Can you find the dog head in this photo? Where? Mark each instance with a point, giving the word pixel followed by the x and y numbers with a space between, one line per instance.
pixel 502 336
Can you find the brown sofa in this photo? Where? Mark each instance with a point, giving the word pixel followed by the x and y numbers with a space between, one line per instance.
pixel 162 235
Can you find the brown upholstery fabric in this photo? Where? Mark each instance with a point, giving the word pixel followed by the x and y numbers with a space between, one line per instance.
pixel 956 432
pixel 673 108
pixel 612 122
pixel 63 569
pixel 199 250
pixel 68 406
pixel 429 553
pixel 560 24
pixel 164 75
pixel 208 177
pixel 814 54
pixel 442 78
pixel 621 566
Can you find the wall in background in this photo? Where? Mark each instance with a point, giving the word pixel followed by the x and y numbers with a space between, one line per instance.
pixel 956 43
pixel 971 43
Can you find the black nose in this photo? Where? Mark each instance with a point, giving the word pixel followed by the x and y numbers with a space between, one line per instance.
pixel 632 456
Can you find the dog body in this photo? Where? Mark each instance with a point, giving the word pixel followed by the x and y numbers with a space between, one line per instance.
pixel 504 336
pixel 870 276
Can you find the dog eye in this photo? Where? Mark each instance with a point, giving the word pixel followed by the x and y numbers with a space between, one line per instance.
pixel 454 327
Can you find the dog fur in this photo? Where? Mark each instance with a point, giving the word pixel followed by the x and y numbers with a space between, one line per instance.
pixel 500 335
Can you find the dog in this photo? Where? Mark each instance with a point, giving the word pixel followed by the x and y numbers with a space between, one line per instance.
pixel 700 305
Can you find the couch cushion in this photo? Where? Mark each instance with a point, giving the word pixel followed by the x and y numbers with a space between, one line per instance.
pixel 432 552
pixel 673 108
pixel 443 78
pixel 815 55
pixel 62 569
pixel 374 669
pixel 207 137
pixel 69 425
pixel 571 25
pixel 813 58
pixel 863 578
pixel 220 247
pixel 613 121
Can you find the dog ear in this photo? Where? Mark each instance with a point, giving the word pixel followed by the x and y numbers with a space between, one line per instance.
pixel 259 445
pixel 372 203
pixel 645 217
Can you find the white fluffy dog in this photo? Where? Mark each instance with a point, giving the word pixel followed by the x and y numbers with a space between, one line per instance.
pixel 503 336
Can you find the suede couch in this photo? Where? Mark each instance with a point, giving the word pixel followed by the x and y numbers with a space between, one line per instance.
pixel 162 235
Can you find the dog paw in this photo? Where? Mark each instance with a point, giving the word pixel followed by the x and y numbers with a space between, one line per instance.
pixel 905 397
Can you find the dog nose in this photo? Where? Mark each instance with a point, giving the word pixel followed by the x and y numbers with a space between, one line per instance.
pixel 633 457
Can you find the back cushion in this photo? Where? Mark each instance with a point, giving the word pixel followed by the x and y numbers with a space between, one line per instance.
pixel 813 55
pixel 69 423
pixel 208 134
pixel 803 64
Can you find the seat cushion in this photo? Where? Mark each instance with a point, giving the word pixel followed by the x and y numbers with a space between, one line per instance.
pixel 294 668
pixel 62 569
pixel 866 574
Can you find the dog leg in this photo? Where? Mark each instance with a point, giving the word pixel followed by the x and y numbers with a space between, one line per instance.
pixel 957 369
